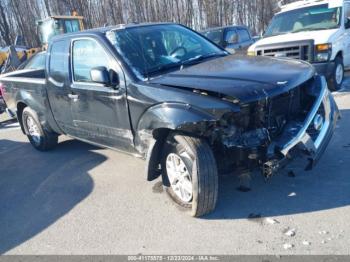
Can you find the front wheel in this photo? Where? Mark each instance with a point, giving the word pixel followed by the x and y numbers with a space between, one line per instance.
pixel 190 174
pixel 337 77
pixel 40 138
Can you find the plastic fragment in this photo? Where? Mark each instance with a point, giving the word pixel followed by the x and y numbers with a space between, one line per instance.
pixel 306 243
pixel 271 221
pixel 323 232
pixel 288 246
pixel 290 232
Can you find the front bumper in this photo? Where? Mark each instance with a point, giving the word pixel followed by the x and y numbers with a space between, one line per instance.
pixel 326 69
pixel 297 139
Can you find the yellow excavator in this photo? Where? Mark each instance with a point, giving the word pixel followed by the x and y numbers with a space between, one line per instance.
pixel 12 56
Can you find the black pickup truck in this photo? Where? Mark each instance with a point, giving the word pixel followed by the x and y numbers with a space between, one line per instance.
pixel 165 93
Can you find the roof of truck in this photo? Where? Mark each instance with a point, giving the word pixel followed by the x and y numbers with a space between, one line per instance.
pixel 307 3
pixel 224 27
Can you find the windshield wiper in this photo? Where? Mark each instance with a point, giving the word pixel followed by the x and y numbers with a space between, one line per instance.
pixel 163 68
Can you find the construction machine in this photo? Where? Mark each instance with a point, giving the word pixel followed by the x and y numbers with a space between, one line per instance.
pixel 57 25
pixel 12 56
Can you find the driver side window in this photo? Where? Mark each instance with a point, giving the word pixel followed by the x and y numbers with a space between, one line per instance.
pixel 87 54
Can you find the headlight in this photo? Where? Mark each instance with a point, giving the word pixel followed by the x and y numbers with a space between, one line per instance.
pixel 322 57
pixel 323 52
pixel 251 53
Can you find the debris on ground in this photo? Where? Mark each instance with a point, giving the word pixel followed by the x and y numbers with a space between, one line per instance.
pixel 271 221
pixel 290 232
pixel 323 232
pixel 324 242
pixel 293 194
pixel 288 246
pixel 306 243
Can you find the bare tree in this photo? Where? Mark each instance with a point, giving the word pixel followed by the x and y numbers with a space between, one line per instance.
pixel 19 17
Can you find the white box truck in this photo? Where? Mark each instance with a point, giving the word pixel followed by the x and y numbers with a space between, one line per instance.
pixel 316 31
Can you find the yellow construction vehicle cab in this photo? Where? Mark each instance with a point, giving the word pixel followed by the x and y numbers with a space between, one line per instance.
pixel 57 25
pixel 46 29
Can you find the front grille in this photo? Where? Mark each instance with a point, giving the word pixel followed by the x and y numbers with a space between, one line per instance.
pixel 275 112
pixel 301 50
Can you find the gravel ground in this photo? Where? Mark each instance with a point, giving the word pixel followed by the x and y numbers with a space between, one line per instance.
pixel 79 199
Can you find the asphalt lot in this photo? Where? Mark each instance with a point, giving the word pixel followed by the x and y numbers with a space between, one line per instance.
pixel 80 199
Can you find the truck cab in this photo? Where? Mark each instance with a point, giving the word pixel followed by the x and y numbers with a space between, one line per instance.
pixel 316 31
pixel 235 39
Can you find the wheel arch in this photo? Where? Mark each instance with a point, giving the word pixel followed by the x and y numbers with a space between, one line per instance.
pixel 158 122
pixel 339 54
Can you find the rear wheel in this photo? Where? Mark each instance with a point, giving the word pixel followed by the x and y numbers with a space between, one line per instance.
pixel 40 138
pixel 336 80
pixel 190 174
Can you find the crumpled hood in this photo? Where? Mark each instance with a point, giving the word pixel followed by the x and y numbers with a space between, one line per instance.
pixel 241 77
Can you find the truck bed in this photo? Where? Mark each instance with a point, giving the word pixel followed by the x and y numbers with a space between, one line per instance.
pixel 23 85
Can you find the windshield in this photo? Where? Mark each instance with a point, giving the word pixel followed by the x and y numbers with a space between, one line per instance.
pixel 305 19
pixel 150 50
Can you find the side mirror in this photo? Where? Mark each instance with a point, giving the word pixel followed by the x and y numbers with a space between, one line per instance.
pixel 114 78
pixel 347 23
pixel 102 76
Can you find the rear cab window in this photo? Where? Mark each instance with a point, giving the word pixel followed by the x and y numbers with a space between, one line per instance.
pixel 244 35
pixel 37 62
pixel 58 64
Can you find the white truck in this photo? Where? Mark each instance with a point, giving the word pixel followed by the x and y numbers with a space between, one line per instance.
pixel 316 31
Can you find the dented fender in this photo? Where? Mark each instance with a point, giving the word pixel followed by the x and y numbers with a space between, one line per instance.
pixel 171 116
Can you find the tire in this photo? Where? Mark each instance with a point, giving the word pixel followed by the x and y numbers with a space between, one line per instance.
pixel 335 81
pixel 39 137
pixel 199 171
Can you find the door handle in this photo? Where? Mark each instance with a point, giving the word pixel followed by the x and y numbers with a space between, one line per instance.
pixel 72 96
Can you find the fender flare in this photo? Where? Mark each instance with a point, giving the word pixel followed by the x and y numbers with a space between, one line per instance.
pixel 155 125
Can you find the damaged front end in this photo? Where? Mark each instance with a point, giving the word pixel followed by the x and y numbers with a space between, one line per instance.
pixel 268 133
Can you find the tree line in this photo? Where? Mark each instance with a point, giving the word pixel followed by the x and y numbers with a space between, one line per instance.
pixel 18 17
